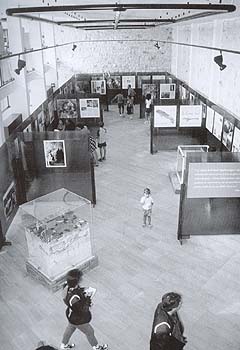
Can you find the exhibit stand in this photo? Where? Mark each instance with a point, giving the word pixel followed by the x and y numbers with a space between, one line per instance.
pixel 58 233
pixel 210 195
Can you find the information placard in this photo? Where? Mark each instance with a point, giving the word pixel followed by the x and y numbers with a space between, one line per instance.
pixel 210 118
pixel 190 116
pixel 165 116
pixel 213 180
pixel 217 126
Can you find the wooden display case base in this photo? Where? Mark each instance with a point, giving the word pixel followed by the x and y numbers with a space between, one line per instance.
pixel 175 182
pixel 57 282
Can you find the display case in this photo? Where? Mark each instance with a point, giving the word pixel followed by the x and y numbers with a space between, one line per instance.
pixel 182 151
pixel 58 234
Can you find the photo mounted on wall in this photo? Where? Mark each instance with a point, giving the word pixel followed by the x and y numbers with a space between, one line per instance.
pixel 217 126
pixel 149 89
pixel 191 99
pixel 158 77
pixel 67 108
pixel 190 116
pixel 89 108
pixel 46 115
pixel 40 119
pixel 167 91
pixel 227 134
pixel 184 94
pixel 141 78
pixel 236 140
pixel 128 80
pixel 55 154
pixel 204 110
pixel 98 87
pixel 114 82
pixel 9 200
pixel 165 116
pixel 210 119
pixel 82 86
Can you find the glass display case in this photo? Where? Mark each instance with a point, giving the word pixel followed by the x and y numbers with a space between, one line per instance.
pixel 58 233
pixel 182 151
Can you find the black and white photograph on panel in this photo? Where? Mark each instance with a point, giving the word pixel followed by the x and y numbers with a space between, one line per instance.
pixel 128 80
pixel 165 116
pixel 149 89
pixel 55 153
pixel 51 110
pixel 227 134
pixel 217 126
pixel 40 119
pixel 114 82
pixel 67 108
pixel 98 87
pixel 9 200
pixel 236 140
pixel 167 91
pixel 210 119
pixel 190 116
pixel 82 86
pixel 89 108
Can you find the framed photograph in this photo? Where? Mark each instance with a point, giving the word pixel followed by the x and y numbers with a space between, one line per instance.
pixel 190 116
pixel 149 89
pixel 167 91
pixel 114 82
pixel 165 116
pixel 158 77
pixel 128 80
pixel 184 94
pixel 67 108
pixel 217 126
pixel 210 119
pixel 204 110
pixel 191 99
pixel 98 87
pixel 89 108
pixel 141 78
pixel 55 153
pixel 9 200
pixel 236 140
pixel 51 110
pixel 40 119
pixel 227 134
pixel 82 86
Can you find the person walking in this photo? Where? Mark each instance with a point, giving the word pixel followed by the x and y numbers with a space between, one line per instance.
pixel 101 136
pixel 78 301
pixel 167 328
pixel 148 108
pixel 120 101
pixel 147 203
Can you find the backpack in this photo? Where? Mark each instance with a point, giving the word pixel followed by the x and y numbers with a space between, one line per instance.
pixel 78 306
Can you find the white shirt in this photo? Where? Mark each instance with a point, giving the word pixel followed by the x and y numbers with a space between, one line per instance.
pixel 147 202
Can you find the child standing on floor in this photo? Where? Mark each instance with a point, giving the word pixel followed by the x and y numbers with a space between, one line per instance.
pixel 101 136
pixel 147 203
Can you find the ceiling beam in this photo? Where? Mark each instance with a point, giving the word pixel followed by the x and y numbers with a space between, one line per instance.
pixel 144 20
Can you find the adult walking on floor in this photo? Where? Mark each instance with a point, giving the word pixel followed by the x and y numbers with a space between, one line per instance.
pixel 167 329
pixel 102 142
pixel 78 301
pixel 120 101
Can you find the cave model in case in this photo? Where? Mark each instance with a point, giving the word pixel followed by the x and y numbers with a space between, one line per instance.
pixel 57 228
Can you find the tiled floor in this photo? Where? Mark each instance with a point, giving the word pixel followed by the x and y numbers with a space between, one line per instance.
pixel 136 265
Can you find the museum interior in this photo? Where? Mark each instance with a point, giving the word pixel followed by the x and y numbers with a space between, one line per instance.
pixel 74 167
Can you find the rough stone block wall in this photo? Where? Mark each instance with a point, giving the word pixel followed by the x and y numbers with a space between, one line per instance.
pixel 122 51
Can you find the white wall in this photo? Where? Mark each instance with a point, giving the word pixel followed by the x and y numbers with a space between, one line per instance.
pixel 196 66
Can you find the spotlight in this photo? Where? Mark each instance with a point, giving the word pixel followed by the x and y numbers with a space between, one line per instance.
pixel 74 47
pixel 21 65
pixel 157 45
pixel 219 61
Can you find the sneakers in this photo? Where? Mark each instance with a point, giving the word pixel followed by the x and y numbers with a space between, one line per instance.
pixel 143 225
pixel 101 347
pixel 67 346
pixel 150 225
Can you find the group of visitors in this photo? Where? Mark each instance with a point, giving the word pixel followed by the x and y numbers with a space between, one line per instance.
pixel 167 329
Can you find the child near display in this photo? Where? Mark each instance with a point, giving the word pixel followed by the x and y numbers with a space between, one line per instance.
pixel 148 108
pixel 101 136
pixel 147 203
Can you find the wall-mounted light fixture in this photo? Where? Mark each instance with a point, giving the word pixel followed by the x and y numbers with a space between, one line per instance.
pixel 157 45
pixel 21 65
pixel 219 61
pixel 74 47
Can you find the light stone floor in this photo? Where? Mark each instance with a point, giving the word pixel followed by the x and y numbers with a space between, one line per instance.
pixel 136 265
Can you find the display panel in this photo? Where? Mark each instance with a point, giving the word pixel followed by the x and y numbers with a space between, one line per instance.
pixel 165 116
pixel 217 126
pixel 9 200
pixel 227 134
pixel 167 91
pixel 213 180
pixel 184 94
pixel 98 87
pixel 114 82
pixel 210 119
pixel 158 77
pixel 149 89
pixel 190 116
pixel 236 140
pixel 67 108
pixel 128 80
pixel 55 153
pixel 89 108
